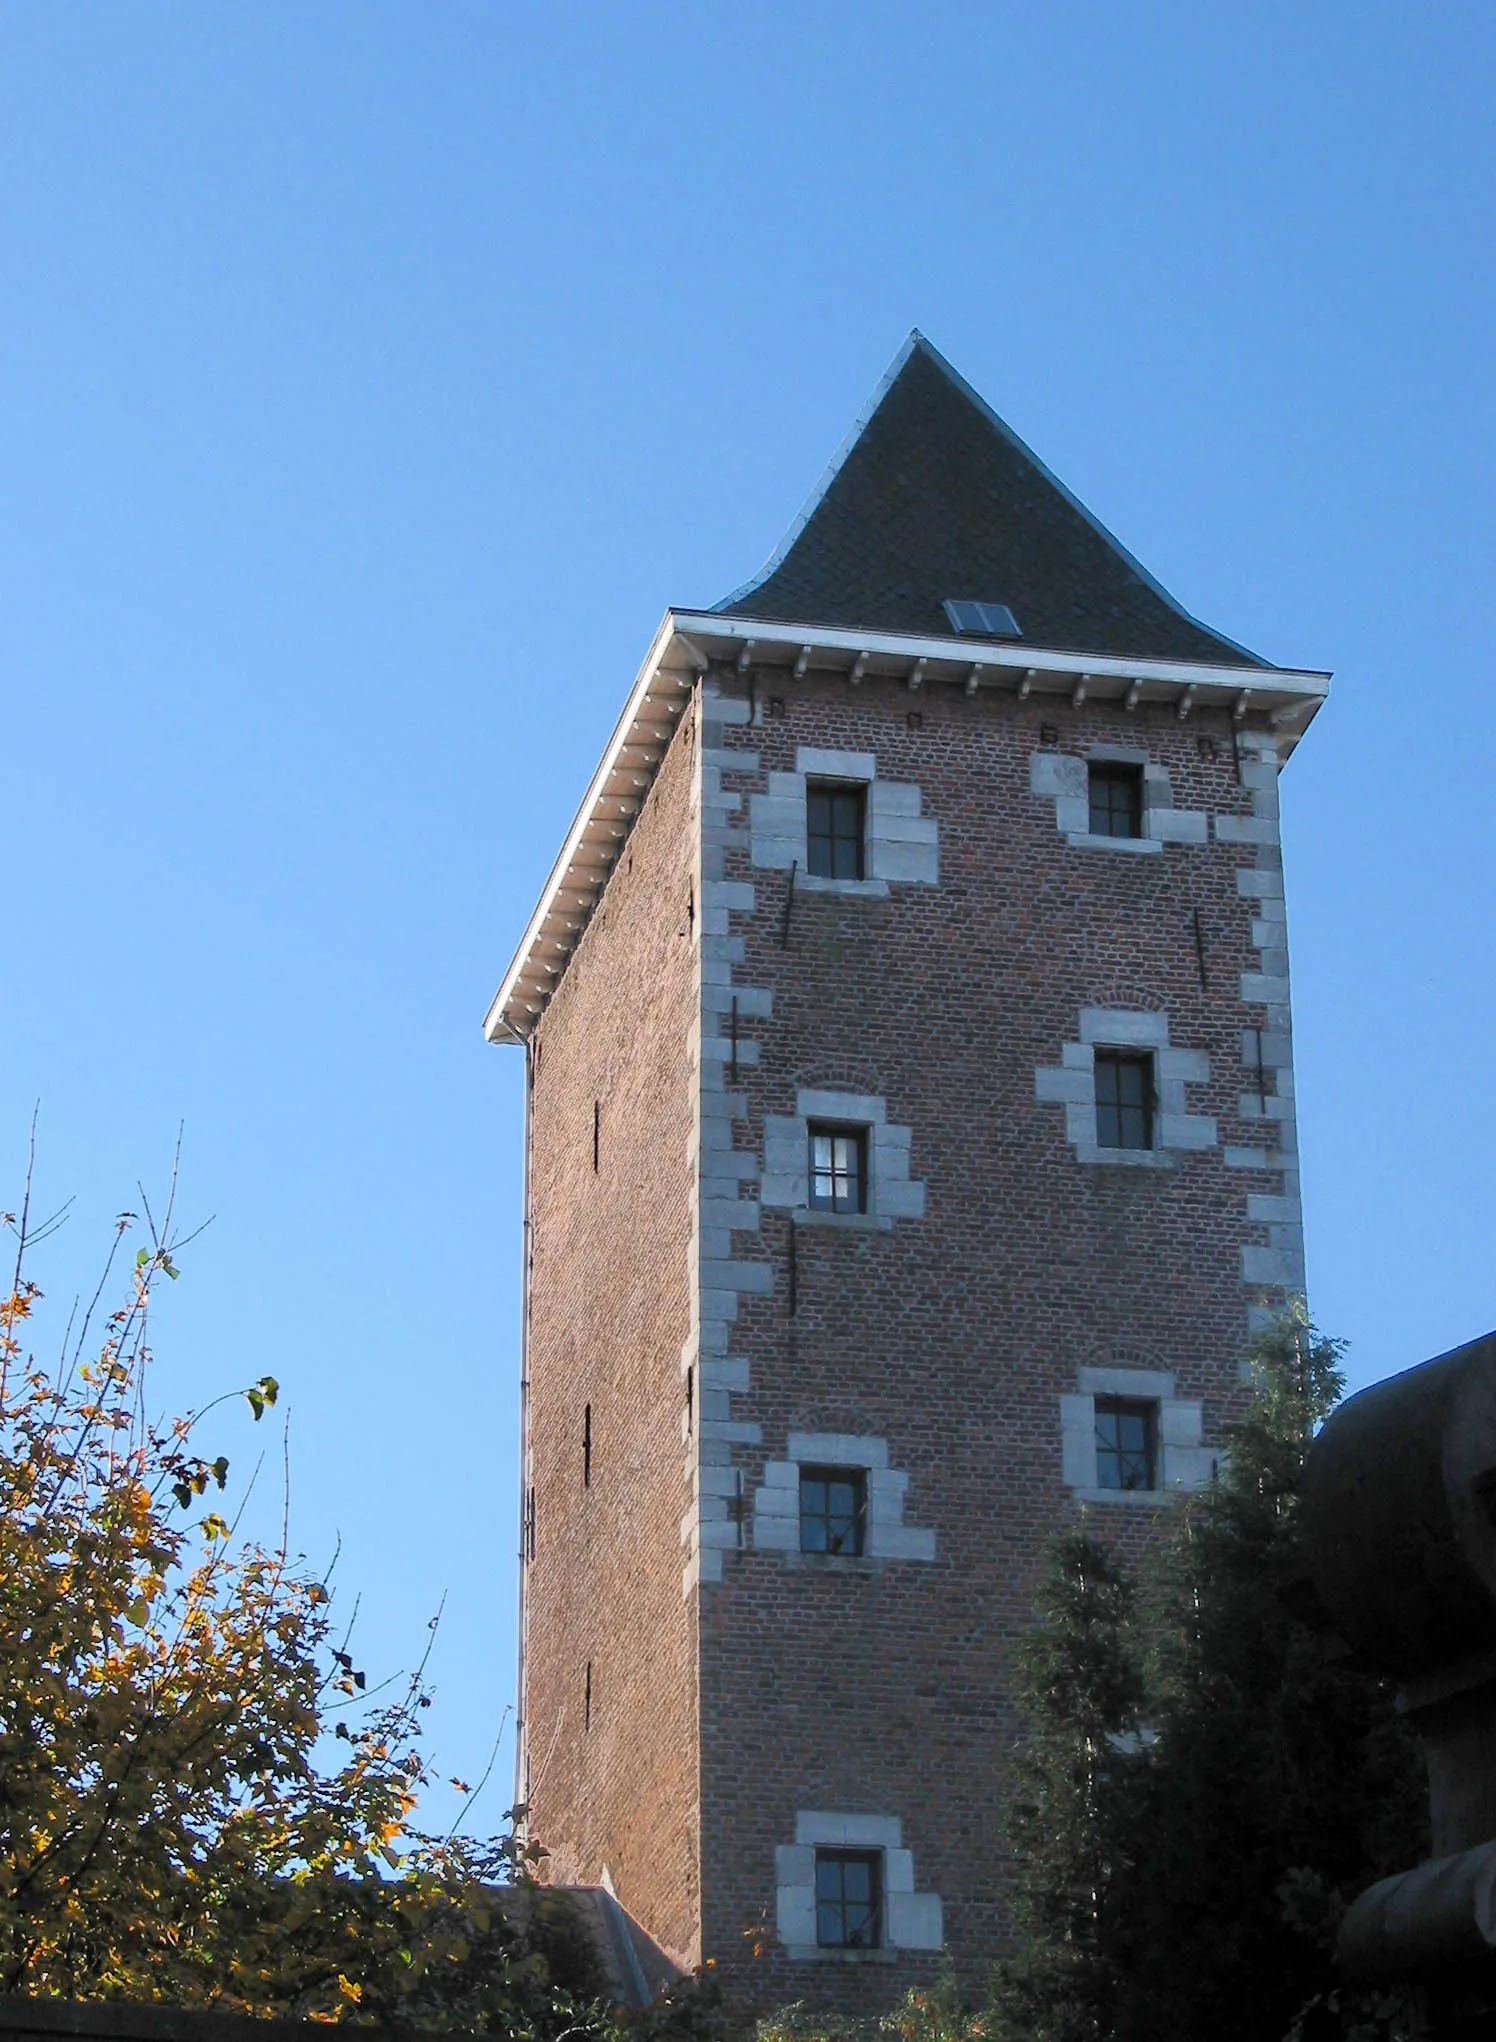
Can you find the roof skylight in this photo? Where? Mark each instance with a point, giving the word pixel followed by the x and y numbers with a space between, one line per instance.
pixel 981 620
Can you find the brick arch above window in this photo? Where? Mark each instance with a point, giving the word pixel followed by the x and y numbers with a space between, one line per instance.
pixel 838 1074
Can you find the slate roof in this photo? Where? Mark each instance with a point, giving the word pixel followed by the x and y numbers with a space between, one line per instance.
pixel 932 496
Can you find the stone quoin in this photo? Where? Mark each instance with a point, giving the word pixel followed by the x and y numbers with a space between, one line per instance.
pixel 909 1154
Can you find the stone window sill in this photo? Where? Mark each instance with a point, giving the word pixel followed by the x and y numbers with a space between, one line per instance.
pixel 844 1222
pixel 1082 840
pixel 1152 1499
pixel 835 1563
pixel 853 889
pixel 1127 1159
pixel 812 1953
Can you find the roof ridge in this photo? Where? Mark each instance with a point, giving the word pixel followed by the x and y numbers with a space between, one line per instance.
pixel 995 419
pixel 833 467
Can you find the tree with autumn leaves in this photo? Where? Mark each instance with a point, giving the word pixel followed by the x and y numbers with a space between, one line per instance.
pixel 170 1827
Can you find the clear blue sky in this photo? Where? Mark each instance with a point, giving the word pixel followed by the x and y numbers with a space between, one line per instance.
pixel 372 378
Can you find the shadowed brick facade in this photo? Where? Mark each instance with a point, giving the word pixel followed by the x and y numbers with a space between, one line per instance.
pixel 709 1710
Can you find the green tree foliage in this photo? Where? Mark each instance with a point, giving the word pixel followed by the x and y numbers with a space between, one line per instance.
pixel 1078 1674
pixel 1273 1783
pixel 170 1825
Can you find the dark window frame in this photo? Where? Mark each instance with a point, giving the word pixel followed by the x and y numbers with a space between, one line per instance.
pixel 1114 791
pixel 835 1173
pixel 843 1921
pixel 834 1529
pixel 1126 1099
pixel 836 829
pixel 1119 1454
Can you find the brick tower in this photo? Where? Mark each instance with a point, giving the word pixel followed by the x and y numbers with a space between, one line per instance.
pixel 909 1144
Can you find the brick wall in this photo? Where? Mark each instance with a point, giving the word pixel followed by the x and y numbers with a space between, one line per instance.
pixel 876 1688
pixel 610 1306
pixel 956 996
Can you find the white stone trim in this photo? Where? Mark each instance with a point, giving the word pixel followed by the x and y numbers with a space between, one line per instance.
pixel 1185 1462
pixel 1072 1084
pixel 726 1215
pixel 903 845
pixel 911 1920
pixel 891 1193
pixel 776 1505
pixel 1267 1097
pixel 1064 777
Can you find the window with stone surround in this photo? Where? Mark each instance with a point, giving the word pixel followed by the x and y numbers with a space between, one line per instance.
pixel 849 1900
pixel 1116 799
pixel 845 1891
pixel 1128 1437
pixel 841 828
pixel 834 1504
pixel 838 1167
pixel 835 829
pixel 1123 1086
pixel 867 1190
pixel 1124 1099
pixel 833 1511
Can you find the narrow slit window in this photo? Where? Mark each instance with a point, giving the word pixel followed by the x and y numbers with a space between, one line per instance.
pixel 587 1448
pixel 1124 1099
pixel 833 1511
pixel 849 1900
pixel 1116 800
pixel 597 1133
pixel 838 1168
pixel 1126 1444
pixel 587 1699
pixel 835 829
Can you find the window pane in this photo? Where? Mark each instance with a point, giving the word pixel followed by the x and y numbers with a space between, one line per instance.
pixel 1124 1100
pixel 1126 1445
pixel 848 1899
pixel 835 820
pixel 838 1169
pixel 833 1510
pixel 1116 800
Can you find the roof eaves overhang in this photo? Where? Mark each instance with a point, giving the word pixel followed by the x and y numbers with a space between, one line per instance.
pixel 689 642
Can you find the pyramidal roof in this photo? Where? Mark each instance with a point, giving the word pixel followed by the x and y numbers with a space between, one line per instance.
pixel 932 498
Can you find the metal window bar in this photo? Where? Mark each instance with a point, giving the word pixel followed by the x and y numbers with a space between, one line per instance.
pixel 1124 1100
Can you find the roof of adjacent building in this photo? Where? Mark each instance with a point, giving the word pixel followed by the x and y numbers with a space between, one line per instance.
pixel 933 497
